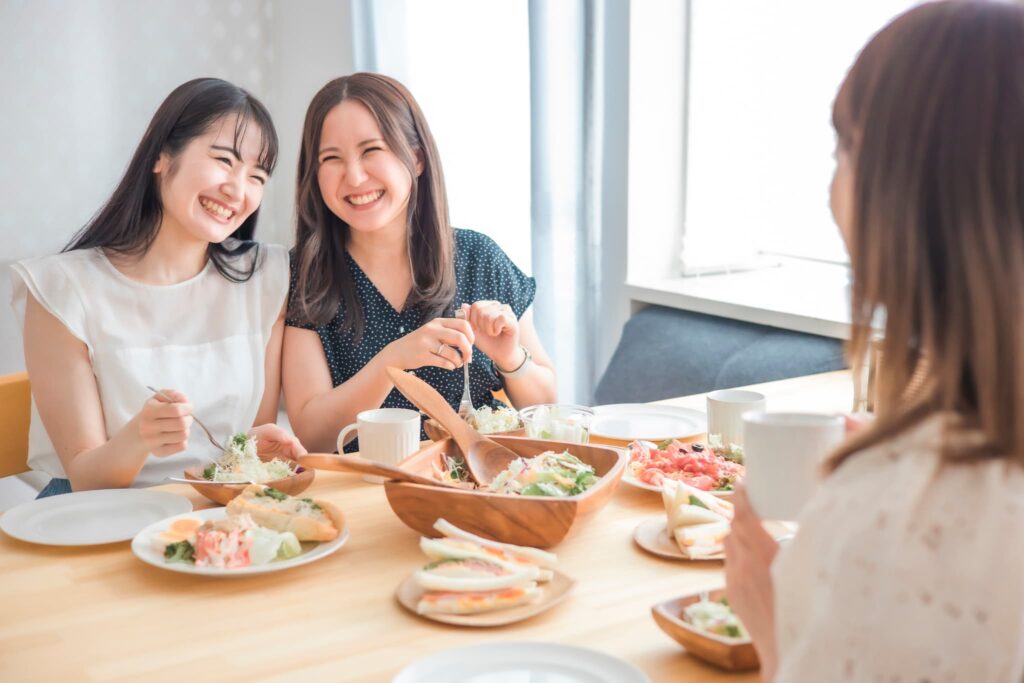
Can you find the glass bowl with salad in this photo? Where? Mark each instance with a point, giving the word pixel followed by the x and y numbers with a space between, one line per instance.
pixel 241 463
pixel 557 422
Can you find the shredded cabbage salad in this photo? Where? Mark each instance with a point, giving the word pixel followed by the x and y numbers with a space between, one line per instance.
pixel 715 617
pixel 493 421
pixel 241 463
pixel 548 474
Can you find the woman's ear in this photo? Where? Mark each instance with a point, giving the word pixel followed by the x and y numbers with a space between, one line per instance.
pixel 419 164
pixel 161 164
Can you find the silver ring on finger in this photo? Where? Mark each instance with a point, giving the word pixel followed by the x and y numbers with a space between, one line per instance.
pixel 440 348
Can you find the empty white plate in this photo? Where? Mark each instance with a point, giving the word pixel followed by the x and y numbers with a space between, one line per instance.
pixel 91 517
pixel 520 663
pixel 629 421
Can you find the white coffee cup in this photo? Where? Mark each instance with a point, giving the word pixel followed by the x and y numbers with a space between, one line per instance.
pixel 386 435
pixel 783 453
pixel 725 413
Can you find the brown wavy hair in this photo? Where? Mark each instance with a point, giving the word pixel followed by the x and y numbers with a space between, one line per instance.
pixel 324 280
pixel 932 116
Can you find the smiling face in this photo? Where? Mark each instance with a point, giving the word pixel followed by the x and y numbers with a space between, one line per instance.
pixel 210 188
pixel 362 181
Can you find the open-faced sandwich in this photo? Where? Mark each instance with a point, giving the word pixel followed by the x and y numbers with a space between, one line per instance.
pixel 697 520
pixel 469 574
pixel 308 519
pixel 266 526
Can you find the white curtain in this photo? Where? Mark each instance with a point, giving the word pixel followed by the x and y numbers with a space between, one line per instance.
pixel 578 103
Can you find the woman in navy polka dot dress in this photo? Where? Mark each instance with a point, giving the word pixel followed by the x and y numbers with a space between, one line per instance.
pixel 378 273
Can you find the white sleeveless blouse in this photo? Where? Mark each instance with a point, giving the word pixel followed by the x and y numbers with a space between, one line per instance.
pixel 205 337
pixel 906 568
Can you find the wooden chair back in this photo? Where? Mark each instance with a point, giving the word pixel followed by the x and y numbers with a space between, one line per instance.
pixel 15 409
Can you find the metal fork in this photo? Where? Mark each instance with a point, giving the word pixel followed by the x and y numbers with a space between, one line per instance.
pixel 194 418
pixel 466 405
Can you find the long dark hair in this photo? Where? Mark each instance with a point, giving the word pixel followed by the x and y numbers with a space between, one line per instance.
pixel 129 221
pixel 324 280
pixel 932 116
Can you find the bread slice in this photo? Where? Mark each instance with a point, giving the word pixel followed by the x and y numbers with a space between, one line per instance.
pixel 309 520
pixel 475 603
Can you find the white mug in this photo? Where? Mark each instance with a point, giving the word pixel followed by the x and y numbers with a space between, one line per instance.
pixel 725 413
pixel 386 435
pixel 783 453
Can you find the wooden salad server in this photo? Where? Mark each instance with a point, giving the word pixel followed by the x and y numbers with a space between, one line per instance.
pixel 485 459
pixel 351 463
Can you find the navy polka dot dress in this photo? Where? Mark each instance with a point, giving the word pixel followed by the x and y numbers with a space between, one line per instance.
pixel 482 272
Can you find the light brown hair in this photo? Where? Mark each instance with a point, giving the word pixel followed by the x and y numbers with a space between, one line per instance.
pixel 932 115
pixel 324 279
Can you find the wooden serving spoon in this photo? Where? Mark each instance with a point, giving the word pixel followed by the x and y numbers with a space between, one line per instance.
pixel 485 459
pixel 350 463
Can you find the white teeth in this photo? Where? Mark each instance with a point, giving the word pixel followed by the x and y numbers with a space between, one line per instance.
pixel 216 209
pixel 360 199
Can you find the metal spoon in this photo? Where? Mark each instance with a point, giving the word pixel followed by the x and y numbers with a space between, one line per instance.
pixel 194 418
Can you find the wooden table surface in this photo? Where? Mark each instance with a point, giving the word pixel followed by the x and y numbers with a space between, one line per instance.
pixel 100 614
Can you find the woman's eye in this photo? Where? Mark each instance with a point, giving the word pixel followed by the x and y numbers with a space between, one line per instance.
pixel 330 158
pixel 259 179
pixel 373 149
pixel 225 160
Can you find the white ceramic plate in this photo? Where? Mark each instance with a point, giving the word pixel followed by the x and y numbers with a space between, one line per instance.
pixel 628 478
pixel 90 517
pixel 520 663
pixel 629 421
pixel 144 546
pixel 652 535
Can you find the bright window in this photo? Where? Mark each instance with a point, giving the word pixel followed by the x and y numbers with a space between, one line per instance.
pixel 761 80
pixel 468 65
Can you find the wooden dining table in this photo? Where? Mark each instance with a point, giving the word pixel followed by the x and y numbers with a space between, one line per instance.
pixel 99 614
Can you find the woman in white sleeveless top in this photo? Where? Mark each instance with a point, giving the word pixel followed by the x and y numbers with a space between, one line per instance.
pixel 909 561
pixel 164 287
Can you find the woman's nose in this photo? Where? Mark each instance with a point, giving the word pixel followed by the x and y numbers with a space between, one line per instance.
pixel 355 174
pixel 233 185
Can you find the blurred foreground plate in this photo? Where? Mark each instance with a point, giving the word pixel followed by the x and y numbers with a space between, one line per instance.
pixel 519 663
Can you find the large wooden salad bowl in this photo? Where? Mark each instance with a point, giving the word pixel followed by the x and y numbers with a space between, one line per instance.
pixel 538 521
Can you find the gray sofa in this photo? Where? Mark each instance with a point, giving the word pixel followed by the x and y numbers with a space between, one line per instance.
pixel 666 352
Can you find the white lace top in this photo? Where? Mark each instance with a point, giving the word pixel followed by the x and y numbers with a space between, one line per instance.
pixel 906 569
pixel 206 337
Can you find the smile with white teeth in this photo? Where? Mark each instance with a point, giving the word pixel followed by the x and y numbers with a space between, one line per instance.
pixel 361 199
pixel 216 209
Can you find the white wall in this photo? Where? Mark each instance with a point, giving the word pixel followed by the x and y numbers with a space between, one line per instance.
pixel 80 81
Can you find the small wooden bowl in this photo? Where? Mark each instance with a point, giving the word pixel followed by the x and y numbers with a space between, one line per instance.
pixel 221 493
pixel 728 653
pixel 536 521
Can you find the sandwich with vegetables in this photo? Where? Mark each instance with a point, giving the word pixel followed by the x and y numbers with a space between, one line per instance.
pixel 470 575
pixel 697 520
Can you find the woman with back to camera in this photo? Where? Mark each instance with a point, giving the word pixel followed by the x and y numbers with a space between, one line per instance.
pixel 379 273
pixel 909 560
pixel 163 287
